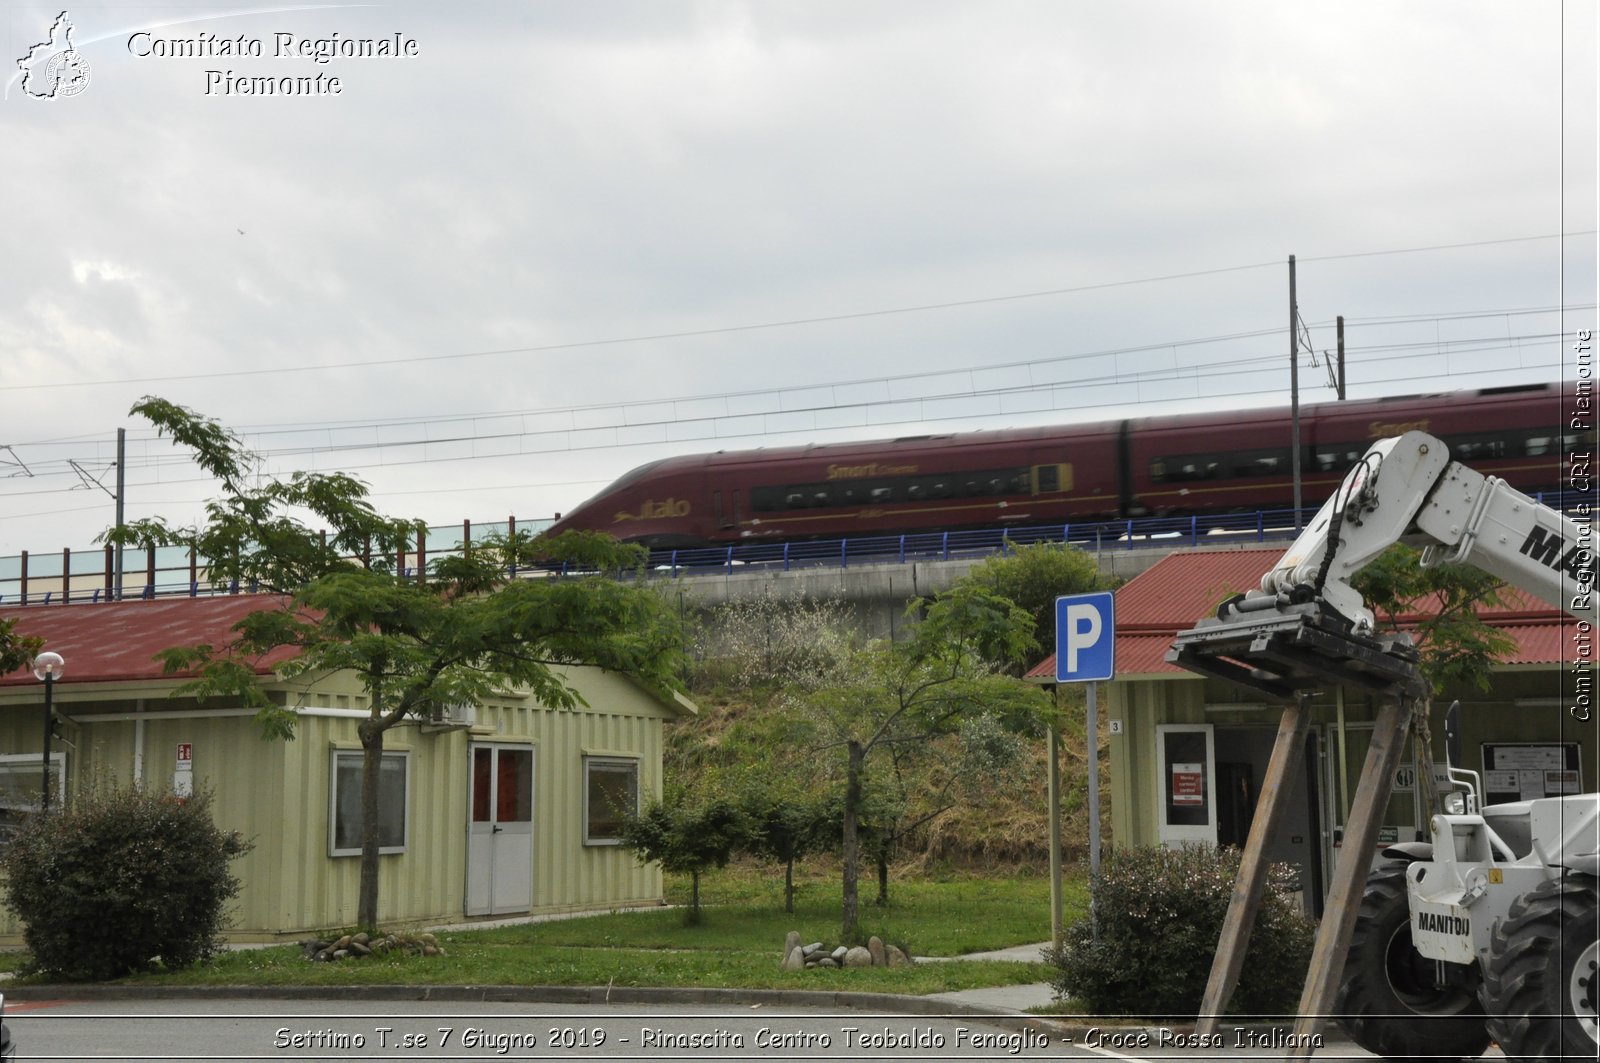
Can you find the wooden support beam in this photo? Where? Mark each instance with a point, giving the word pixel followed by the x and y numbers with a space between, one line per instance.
pixel 1350 874
pixel 1246 900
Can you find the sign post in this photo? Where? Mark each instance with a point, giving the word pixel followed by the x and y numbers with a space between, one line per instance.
pixel 1086 653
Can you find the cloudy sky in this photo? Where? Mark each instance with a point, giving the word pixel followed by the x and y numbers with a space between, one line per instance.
pixel 569 236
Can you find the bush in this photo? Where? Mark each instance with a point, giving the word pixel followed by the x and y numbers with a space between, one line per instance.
pixel 122 880
pixel 1160 912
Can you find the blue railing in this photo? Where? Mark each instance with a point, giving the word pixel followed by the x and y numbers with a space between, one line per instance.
pixel 167 572
pixel 1139 534
pixel 1150 533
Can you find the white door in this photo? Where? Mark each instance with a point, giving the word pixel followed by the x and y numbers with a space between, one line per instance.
pixel 500 831
pixel 1186 786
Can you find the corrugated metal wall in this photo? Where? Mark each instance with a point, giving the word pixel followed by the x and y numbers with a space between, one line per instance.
pixel 277 794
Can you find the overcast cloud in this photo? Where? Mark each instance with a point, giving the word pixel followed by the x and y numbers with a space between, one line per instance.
pixel 567 172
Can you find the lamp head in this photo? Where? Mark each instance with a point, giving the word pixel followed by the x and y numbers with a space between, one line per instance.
pixel 49 665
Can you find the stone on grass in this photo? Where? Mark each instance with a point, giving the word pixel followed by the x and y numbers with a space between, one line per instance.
pixel 795 961
pixel 875 947
pixel 858 957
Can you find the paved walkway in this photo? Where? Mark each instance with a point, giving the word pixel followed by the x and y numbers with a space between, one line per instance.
pixel 1005 998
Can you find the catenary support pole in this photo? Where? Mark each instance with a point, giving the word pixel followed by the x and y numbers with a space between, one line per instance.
pixel 1294 394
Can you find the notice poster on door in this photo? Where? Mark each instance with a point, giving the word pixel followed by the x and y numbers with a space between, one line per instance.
pixel 1188 785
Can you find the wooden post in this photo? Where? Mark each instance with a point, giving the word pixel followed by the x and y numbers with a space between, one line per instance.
pixel 66 574
pixel 22 577
pixel 1350 873
pixel 1246 900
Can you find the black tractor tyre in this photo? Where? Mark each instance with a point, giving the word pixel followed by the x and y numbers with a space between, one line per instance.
pixel 1540 983
pixel 1388 1001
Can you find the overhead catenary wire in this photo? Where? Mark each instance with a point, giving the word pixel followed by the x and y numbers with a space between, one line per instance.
pixel 779 324
pixel 1214 369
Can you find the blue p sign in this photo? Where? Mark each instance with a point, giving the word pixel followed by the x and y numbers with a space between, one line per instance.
pixel 1085 638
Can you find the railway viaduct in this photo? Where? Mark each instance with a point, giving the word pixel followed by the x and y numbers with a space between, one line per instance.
pixel 878 593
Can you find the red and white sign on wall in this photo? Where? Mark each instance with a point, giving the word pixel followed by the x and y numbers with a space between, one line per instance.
pixel 1188 785
pixel 183 774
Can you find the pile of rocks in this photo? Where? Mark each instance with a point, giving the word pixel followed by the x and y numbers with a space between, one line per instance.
pixel 355 946
pixel 798 957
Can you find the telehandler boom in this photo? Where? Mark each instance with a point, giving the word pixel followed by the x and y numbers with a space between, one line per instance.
pixel 1490 931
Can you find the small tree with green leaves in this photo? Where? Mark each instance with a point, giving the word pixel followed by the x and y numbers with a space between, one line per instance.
pixel 464 632
pixel 909 693
pixel 786 823
pixel 688 834
pixel 1454 643
pixel 1032 578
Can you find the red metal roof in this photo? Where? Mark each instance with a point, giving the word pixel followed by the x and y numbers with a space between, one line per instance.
pixel 1183 587
pixel 118 641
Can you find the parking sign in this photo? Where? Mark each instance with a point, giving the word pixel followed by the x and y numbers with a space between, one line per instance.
pixel 1085 638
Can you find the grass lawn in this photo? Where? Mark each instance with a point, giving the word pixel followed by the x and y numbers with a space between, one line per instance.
pixel 736 946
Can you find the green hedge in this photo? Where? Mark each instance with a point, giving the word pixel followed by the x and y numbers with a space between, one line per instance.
pixel 1159 914
pixel 122 880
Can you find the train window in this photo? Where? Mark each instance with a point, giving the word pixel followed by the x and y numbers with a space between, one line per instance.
pixel 1047 478
pixel 882 494
pixel 1477 448
pixel 1537 446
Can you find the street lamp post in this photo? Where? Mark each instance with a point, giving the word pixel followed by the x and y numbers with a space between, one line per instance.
pixel 47 668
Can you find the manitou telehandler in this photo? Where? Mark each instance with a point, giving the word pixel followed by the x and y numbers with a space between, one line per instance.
pixel 1488 933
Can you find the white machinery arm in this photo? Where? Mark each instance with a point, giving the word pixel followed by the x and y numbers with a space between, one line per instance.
pixel 1407 489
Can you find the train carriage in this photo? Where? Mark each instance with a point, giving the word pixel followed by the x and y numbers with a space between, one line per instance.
pixel 1176 464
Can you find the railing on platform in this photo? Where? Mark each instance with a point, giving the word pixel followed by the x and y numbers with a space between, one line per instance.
pixel 89 576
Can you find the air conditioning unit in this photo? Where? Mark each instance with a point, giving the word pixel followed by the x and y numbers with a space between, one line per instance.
pixel 454 717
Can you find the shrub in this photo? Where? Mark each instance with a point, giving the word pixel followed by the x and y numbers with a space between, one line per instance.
pixel 1160 912
pixel 122 880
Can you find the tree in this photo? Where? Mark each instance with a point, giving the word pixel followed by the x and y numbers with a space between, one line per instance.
pixel 1441 603
pixel 688 834
pixel 464 632
pixel 909 693
pixel 785 824
pixel 16 651
pixel 1033 577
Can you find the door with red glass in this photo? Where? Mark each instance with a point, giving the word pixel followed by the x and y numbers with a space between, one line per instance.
pixel 500 833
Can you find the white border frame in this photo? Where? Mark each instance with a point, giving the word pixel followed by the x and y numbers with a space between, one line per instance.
pixel 609 762
pixel 333 803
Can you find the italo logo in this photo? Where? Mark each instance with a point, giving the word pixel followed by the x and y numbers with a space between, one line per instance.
pixel 652 510
pixel 53 69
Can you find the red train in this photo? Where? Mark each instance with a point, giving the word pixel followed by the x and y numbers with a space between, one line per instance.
pixel 1154 466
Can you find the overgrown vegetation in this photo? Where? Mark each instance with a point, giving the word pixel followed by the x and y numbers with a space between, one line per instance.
pixel 759 671
pixel 1158 916
pixel 122 880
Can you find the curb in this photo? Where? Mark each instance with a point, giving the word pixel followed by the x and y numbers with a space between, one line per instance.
pixel 1078 1029
pixel 885 1002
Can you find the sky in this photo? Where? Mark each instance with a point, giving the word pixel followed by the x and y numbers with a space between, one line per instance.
pixel 554 239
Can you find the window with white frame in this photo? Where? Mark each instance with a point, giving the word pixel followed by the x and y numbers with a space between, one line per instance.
pixel 611 794
pixel 20 784
pixel 344 810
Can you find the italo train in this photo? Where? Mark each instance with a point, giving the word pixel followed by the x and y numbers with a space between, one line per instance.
pixel 1198 463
